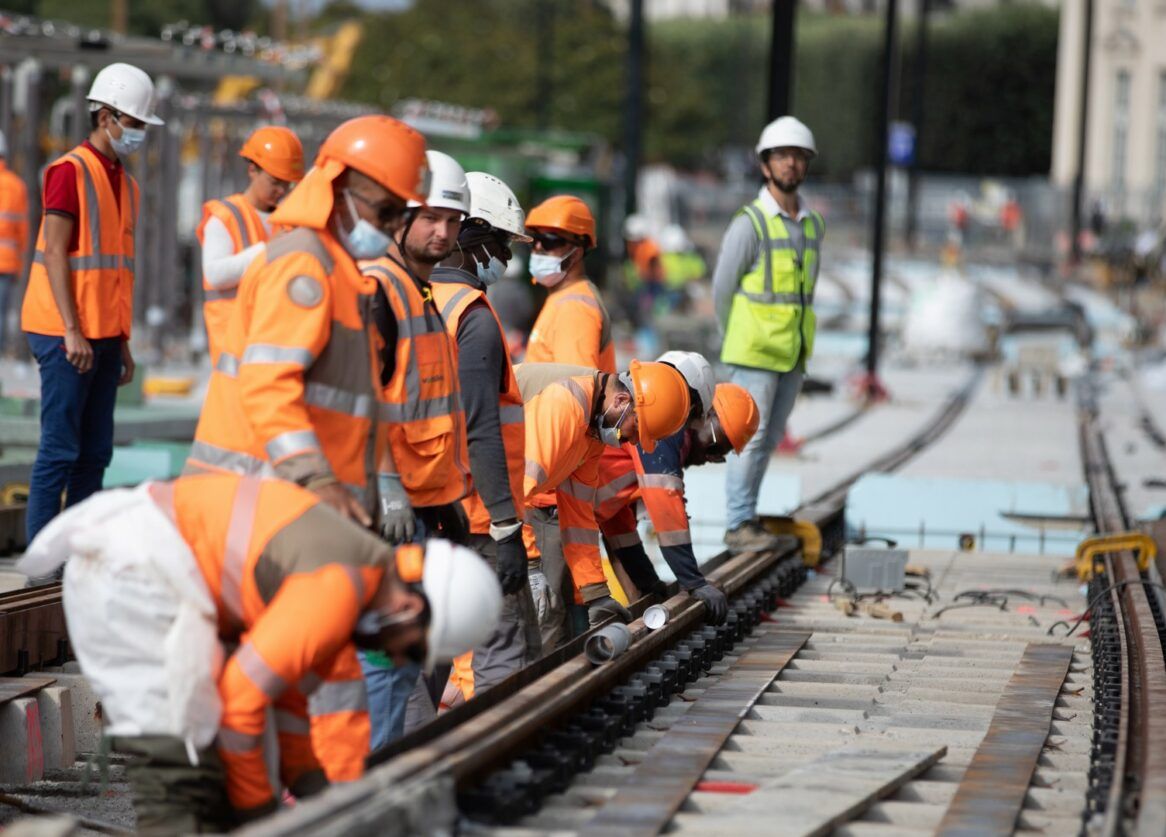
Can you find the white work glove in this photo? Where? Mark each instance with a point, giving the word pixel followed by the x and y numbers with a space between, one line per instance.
pixel 540 591
pixel 396 521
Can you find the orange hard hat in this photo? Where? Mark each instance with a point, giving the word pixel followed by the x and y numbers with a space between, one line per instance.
pixel 737 412
pixel 383 148
pixel 564 213
pixel 660 395
pixel 277 151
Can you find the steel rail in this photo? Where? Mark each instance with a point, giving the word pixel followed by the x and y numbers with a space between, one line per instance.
pixel 1136 801
pixel 493 735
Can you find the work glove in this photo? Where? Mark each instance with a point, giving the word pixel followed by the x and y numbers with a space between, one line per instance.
pixel 396 521
pixel 599 609
pixel 455 525
pixel 715 602
pixel 540 591
pixel 511 563
pixel 638 566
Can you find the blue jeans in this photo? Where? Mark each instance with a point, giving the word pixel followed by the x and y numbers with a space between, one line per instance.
pixel 76 426
pixel 389 688
pixel 7 283
pixel 775 393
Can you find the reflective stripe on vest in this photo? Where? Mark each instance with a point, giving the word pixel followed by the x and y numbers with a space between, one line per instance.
pixel 772 322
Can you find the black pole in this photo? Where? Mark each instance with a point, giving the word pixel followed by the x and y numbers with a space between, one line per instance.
pixel 545 60
pixel 633 104
pixel 880 200
pixel 1082 131
pixel 918 83
pixel 781 58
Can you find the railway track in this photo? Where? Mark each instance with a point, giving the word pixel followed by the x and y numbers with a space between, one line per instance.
pixel 506 752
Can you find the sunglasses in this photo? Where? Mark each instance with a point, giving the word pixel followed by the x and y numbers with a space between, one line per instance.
pixel 550 241
pixel 474 236
pixel 387 212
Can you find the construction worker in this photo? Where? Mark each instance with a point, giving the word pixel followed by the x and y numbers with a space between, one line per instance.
pixel 233 230
pixel 295 392
pixel 424 471
pixel 78 307
pixel 644 269
pixel 572 413
pixel 573 326
pixel 763 290
pixel 682 265
pixel 723 420
pixel 494 427
pixel 158 575
pixel 13 235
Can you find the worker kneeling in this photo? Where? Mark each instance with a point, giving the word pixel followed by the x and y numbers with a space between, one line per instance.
pixel 723 419
pixel 572 414
pixel 156 576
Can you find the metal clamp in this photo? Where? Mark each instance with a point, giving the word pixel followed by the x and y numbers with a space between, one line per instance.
pixel 1090 549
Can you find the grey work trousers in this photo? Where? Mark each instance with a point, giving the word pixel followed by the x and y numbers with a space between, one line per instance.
pixel 551 586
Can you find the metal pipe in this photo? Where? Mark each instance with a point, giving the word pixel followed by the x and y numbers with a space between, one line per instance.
pixel 605 645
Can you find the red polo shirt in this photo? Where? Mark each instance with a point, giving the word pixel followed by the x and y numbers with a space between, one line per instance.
pixel 60 195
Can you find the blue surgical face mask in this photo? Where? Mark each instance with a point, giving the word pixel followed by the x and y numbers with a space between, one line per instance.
pixel 363 241
pixel 547 270
pixel 490 273
pixel 131 140
pixel 611 436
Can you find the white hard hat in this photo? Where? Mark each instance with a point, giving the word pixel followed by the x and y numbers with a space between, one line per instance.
pixel 673 239
pixel 3 145
pixel 636 227
pixel 492 201
pixel 465 600
pixel 697 372
pixel 447 183
pixel 786 132
pixel 126 89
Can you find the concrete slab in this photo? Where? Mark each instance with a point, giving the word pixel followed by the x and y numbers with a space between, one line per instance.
pixel 55 704
pixel 22 757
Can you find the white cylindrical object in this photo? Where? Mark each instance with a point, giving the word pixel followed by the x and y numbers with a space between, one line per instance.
pixel 655 617
pixel 607 644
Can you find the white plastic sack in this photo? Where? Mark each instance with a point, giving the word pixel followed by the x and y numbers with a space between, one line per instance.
pixel 141 619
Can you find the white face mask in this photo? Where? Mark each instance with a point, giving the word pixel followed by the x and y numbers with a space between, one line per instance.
pixel 612 436
pixel 490 273
pixel 363 241
pixel 131 140
pixel 547 270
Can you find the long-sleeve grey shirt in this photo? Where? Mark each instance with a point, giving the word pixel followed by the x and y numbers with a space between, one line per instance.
pixel 740 249
pixel 482 363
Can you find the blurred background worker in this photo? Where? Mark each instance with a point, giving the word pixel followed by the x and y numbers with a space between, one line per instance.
pixel 296 389
pixel 423 473
pixel 78 308
pixel 643 270
pixel 682 266
pixel 13 236
pixel 158 574
pixel 572 413
pixel 722 421
pixel 234 229
pixel 573 326
pixel 494 427
pixel 763 289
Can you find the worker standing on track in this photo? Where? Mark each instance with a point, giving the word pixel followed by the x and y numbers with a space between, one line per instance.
pixel 234 229
pixel 572 413
pixel 494 428
pixel 78 307
pixel 13 235
pixel 158 575
pixel 763 289
pixel 424 471
pixel 573 326
pixel 296 390
pixel 721 423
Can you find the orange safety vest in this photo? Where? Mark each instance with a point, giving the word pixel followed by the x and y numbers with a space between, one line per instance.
pixel 622 482
pixel 452 301
pixel 295 391
pixel 306 668
pixel 422 401
pixel 573 327
pixel 13 220
pixel 103 263
pixel 246 229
